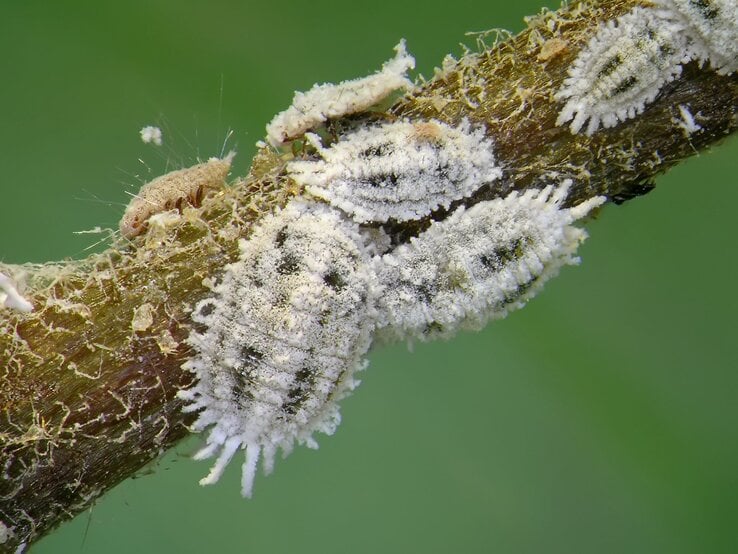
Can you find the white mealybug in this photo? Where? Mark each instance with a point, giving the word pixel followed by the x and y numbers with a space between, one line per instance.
pixel 712 26
pixel 622 68
pixel 478 264
pixel 283 337
pixel 173 190
pixel 398 170
pixel 322 102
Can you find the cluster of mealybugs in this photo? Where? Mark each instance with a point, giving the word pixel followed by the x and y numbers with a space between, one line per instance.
pixel 629 59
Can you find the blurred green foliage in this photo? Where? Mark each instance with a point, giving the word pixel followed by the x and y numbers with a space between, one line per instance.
pixel 602 418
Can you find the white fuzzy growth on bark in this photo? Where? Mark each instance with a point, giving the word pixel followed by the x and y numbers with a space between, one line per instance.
pixel 322 102
pixel 712 27
pixel 285 334
pixel 10 297
pixel 5 532
pixel 398 170
pixel 686 121
pixel 478 264
pixel 622 69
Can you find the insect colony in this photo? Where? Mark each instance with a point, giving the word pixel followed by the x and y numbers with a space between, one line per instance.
pixel 289 324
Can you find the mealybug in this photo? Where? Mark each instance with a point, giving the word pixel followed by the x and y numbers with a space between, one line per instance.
pixel 478 264
pixel 322 102
pixel 712 26
pixel 284 335
pixel 399 170
pixel 622 69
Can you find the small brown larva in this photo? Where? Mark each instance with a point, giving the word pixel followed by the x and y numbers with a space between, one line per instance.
pixel 172 191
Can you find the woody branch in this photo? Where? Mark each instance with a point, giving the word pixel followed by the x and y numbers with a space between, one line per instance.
pixel 90 377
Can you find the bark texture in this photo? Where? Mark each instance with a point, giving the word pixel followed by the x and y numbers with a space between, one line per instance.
pixel 89 378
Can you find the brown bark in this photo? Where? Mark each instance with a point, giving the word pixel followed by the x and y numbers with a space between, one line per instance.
pixel 89 382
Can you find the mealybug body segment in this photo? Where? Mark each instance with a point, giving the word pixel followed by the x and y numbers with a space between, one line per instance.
pixel 174 190
pixel 286 331
pixel 398 170
pixel 622 69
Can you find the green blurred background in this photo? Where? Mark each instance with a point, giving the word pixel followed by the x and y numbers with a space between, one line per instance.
pixel 602 418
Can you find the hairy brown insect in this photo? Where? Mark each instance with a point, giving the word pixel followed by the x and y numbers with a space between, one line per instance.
pixel 173 191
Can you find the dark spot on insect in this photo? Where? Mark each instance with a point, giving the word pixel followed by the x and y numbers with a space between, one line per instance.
pixel 242 390
pixel 705 8
pixel 391 179
pixel 443 169
pixel 334 280
pixel 323 318
pixel 625 86
pixel 490 262
pixel 288 265
pixel 300 390
pixel 666 50
pixel 610 66
pixel 496 260
pixel 384 180
pixel 642 45
pixel 335 381
pixel 281 236
pixel 206 309
pixel 244 373
pixel 519 291
pixel 424 293
pixel 251 356
pixel 433 328
pixel 377 151
pixel 649 33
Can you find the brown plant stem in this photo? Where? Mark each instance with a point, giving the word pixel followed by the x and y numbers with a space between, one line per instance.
pixel 89 379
